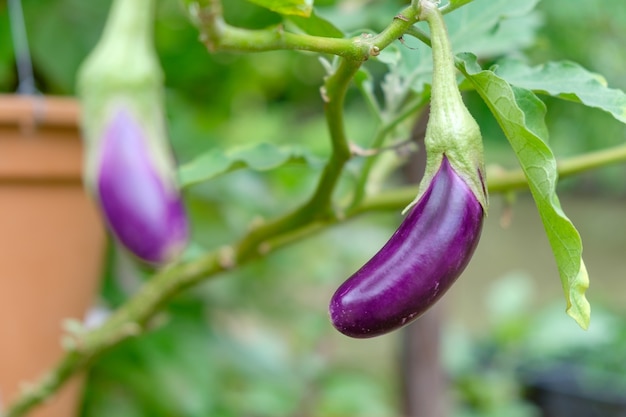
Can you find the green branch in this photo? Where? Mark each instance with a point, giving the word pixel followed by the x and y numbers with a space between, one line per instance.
pixel 402 22
pixel 319 206
pixel 218 35
pixel 499 180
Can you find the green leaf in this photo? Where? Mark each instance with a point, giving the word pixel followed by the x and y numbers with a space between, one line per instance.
pixel 287 7
pixel 566 80
pixel 487 28
pixel 490 28
pixel 316 26
pixel 521 116
pixel 260 157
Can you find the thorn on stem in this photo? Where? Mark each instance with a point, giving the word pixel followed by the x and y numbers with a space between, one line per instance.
pixel 226 257
pixel 401 17
pixel 264 248
pixel 402 148
pixel 403 42
pixel 356 150
pixel 324 95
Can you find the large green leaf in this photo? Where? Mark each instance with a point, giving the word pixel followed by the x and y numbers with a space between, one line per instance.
pixel 521 116
pixel 487 28
pixel 260 157
pixel 287 7
pixel 566 80
pixel 490 28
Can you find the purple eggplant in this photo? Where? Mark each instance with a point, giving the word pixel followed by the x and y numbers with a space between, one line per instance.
pixel 142 206
pixel 129 165
pixel 418 264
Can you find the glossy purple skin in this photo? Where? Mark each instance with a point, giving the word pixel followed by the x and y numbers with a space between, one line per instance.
pixel 146 215
pixel 418 264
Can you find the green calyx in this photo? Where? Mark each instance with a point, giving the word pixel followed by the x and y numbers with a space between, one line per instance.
pixel 123 71
pixel 451 129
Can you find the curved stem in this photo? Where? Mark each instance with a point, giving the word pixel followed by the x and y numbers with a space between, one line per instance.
pixel 320 204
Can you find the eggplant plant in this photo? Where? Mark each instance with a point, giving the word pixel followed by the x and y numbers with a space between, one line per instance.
pixel 132 174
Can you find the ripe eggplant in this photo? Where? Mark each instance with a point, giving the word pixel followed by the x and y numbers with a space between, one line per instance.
pixel 436 240
pixel 418 264
pixel 142 207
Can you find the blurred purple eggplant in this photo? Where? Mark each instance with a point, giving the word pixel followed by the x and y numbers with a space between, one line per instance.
pixel 418 264
pixel 140 202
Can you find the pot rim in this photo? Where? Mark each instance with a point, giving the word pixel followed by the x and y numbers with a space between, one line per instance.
pixel 39 110
pixel 51 152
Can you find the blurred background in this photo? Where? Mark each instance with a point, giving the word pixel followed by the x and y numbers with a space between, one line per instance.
pixel 257 341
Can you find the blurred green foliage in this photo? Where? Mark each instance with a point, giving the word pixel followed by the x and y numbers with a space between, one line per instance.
pixel 257 342
pixel 523 349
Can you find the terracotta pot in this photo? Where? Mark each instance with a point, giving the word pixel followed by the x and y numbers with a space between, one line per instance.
pixel 51 242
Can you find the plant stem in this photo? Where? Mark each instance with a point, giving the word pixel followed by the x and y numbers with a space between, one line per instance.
pixel 499 181
pixel 446 102
pixel 401 23
pixel 218 35
pixel 319 205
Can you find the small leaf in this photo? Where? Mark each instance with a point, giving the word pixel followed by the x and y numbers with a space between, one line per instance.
pixel 287 7
pixel 260 157
pixel 566 80
pixel 520 115
pixel 316 26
